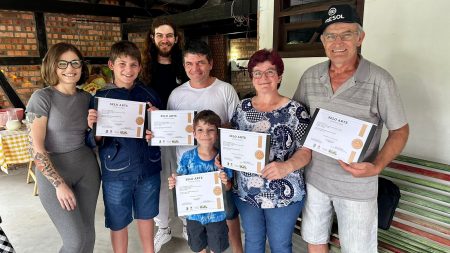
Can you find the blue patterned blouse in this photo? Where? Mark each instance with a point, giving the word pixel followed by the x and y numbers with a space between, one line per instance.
pixel 286 126
pixel 191 163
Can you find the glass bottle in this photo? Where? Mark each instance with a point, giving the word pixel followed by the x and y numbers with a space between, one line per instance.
pixel 13 122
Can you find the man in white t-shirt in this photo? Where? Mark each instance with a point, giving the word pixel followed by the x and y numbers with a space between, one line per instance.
pixel 203 92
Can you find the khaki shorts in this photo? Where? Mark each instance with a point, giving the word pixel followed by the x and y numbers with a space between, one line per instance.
pixel 357 221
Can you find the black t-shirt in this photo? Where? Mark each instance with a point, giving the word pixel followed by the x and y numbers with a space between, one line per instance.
pixel 164 81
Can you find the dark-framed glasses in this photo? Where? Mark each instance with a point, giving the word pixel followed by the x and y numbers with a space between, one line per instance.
pixel 268 73
pixel 76 64
pixel 345 36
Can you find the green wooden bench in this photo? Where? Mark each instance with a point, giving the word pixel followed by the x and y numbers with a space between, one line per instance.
pixel 422 219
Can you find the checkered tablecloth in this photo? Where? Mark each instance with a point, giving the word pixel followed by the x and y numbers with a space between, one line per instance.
pixel 14 148
pixel 5 245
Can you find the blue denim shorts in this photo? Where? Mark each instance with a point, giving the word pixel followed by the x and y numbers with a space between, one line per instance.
pixel 121 198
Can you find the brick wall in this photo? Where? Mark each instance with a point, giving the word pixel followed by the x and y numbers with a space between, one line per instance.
pixel 218 45
pixel 138 38
pixel 18 39
pixel 23 79
pixel 17 34
pixel 91 34
pixel 242 49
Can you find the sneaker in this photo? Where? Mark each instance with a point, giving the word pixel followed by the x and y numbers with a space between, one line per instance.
pixel 163 235
pixel 185 235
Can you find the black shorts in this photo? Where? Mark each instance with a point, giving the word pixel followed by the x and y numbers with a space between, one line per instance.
pixel 213 235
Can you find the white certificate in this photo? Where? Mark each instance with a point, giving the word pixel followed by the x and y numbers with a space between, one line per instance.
pixel 338 136
pixel 119 118
pixel 172 128
pixel 198 193
pixel 244 151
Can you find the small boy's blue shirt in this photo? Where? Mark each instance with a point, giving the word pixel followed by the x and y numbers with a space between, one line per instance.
pixel 191 163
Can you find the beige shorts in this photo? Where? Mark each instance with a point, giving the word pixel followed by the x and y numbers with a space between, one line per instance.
pixel 357 221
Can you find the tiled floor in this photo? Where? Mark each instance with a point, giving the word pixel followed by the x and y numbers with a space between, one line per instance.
pixel 30 230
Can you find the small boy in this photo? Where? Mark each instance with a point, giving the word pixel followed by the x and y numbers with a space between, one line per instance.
pixel 208 229
pixel 130 168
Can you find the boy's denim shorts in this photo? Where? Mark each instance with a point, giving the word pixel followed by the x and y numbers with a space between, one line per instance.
pixel 124 196
pixel 357 221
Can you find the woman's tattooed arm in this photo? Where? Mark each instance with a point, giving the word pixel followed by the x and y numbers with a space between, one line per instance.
pixel 36 126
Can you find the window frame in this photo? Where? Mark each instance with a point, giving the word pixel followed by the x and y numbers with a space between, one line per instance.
pixel 282 9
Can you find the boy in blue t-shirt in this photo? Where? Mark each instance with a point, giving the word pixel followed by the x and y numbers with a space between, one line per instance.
pixel 207 229
pixel 130 167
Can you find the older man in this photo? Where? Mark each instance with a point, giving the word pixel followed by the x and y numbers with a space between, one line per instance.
pixel 351 85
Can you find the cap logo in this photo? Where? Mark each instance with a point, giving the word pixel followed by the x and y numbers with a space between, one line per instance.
pixel 332 18
pixel 331 11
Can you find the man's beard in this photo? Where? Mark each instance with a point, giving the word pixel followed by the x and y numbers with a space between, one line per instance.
pixel 165 53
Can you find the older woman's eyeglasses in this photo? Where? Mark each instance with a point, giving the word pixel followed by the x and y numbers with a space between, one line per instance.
pixel 345 36
pixel 268 73
pixel 76 64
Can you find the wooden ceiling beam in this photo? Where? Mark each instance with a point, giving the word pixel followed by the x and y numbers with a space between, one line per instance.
pixel 221 27
pixel 202 15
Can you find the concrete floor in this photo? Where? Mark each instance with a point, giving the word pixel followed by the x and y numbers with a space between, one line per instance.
pixel 29 228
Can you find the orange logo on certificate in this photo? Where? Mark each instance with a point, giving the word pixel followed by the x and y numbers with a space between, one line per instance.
pixel 139 120
pixel 259 154
pixel 217 190
pixel 357 143
pixel 189 129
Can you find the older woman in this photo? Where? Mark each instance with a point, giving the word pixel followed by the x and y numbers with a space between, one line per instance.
pixel 270 203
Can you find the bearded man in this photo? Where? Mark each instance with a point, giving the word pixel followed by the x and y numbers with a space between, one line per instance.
pixel 162 60
pixel 163 71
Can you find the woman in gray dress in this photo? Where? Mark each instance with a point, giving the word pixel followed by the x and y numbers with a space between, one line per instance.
pixel 67 171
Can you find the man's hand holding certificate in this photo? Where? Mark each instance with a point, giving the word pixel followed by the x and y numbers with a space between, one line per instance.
pixel 120 118
pixel 338 136
pixel 244 151
pixel 172 128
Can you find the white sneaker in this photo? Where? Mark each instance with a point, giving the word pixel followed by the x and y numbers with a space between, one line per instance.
pixel 185 235
pixel 163 235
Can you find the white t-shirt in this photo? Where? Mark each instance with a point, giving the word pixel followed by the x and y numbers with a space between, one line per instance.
pixel 219 97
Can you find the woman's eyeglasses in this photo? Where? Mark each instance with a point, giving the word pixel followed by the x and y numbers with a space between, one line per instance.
pixel 268 73
pixel 76 64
